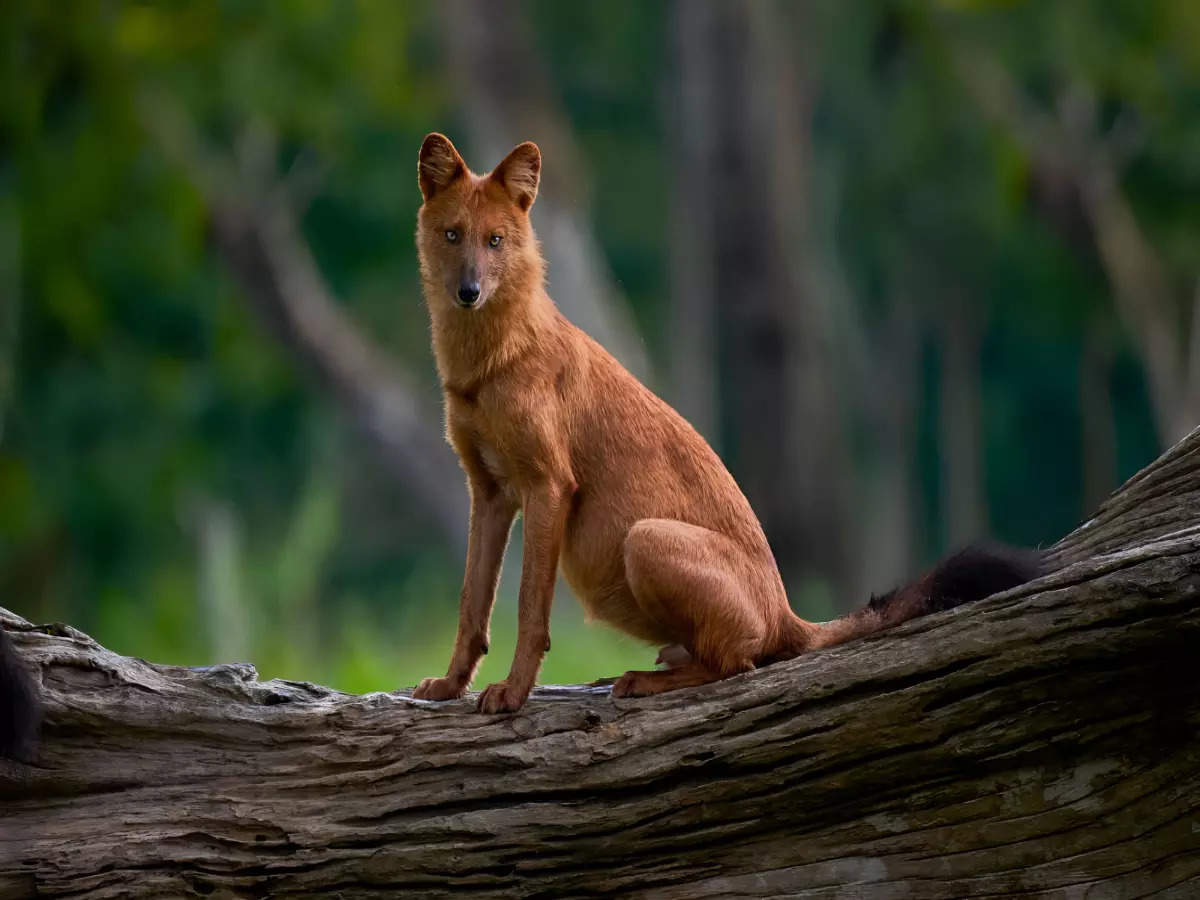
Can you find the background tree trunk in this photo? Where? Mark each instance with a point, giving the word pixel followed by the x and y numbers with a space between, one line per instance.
pixel 10 307
pixel 745 96
pixel 692 128
pixel 964 505
pixel 507 98
pixel 1043 741
pixel 887 391
pixel 1098 427
pixel 253 222
pixel 1077 171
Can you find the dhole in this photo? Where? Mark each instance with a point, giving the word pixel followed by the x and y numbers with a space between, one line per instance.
pixel 649 528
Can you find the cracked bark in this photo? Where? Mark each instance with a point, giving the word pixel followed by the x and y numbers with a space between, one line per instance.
pixel 1042 741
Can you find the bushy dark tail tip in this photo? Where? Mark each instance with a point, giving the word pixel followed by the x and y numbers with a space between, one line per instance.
pixel 20 709
pixel 980 570
pixel 975 572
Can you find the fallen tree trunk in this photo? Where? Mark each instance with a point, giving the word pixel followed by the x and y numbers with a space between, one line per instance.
pixel 1042 742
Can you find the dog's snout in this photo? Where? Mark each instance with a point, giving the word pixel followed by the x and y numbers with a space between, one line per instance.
pixel 468 292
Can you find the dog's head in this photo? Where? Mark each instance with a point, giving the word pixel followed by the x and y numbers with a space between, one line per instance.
pixel 473 231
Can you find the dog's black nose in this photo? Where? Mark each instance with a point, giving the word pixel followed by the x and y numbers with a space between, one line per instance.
pixel 468 293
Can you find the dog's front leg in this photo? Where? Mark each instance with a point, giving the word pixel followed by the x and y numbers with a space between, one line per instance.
pixel 492 514
pixel 545 511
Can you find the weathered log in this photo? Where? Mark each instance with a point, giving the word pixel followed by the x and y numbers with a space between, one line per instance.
pixel 1040 742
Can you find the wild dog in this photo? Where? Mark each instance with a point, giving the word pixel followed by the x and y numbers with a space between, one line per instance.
pixel 649 528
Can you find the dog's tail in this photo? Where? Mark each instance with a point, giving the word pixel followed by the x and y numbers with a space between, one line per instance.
pixel 20 709
pixel 972 573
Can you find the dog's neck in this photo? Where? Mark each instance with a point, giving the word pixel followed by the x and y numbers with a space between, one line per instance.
pixel 472 345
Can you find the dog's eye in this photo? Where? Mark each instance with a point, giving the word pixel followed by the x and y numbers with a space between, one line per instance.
pixel 452 235
pixel 494 240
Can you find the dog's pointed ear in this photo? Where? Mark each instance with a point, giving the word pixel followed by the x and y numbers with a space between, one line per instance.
pixel 519 173
pixel 438 165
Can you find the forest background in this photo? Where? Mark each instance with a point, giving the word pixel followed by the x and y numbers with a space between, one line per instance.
pixel 922 272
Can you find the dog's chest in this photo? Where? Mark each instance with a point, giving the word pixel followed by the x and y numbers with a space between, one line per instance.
pixel 469 419
pixel 499 468
pixel 493 463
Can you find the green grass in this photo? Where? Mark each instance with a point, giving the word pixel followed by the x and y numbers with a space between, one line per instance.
pixel 371 655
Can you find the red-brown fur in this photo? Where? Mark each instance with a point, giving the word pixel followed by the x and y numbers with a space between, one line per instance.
pixel 648 527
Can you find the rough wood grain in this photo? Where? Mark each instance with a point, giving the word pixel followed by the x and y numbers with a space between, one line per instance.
pixel 1039 743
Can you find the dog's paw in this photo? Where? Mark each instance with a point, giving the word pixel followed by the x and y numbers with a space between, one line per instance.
pixel 633 684
pixel 438 689
pixel 501 697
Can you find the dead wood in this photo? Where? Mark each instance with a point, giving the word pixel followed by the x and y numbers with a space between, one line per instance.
pixel 1040 742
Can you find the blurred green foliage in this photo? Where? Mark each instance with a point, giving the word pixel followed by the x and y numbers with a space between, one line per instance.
pixel 160 455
